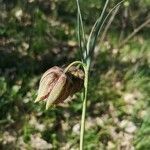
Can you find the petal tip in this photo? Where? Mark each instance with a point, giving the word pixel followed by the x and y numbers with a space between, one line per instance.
pixel 37 100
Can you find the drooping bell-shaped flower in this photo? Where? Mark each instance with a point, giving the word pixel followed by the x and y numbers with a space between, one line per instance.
pixel 56 85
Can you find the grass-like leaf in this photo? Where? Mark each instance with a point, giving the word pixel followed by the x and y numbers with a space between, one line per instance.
pixel 95 31
pixel 97 27
pixel 81 33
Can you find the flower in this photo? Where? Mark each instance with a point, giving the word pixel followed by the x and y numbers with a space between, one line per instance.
pixel 56 85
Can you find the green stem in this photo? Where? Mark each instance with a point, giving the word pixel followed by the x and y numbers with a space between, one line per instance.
pixel 74 63
pixel 86 71
pixel 84 109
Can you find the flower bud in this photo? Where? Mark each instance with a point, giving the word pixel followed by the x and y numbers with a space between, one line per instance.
pixel 56 86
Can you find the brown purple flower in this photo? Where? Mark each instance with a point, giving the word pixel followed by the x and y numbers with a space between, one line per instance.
pixel 56 85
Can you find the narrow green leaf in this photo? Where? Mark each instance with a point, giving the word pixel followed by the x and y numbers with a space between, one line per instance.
pixel 95 31
pixel 97 27
pixel 81 33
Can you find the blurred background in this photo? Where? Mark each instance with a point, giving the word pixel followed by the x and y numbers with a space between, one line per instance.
pixel 38 34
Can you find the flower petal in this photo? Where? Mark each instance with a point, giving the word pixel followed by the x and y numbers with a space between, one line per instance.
pixel 58 71
pixel 56 91
pixel 45 87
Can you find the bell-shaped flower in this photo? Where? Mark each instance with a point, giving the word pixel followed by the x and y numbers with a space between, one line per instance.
pixel 56 85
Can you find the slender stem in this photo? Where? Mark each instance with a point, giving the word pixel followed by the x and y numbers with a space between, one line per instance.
pixel 74 63
pixel 86 71
pixel 84 109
